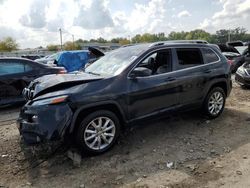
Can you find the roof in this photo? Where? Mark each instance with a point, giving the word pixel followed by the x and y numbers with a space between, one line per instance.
pixel 16 58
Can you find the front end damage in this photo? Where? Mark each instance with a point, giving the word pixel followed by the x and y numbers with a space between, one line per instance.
pixel 46 122
pixel 48 113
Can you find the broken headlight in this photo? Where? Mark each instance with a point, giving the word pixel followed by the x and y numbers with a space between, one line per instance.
pixel 53 100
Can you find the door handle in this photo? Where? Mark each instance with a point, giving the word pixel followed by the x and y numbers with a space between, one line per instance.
pixel 170 79
pixel 207 71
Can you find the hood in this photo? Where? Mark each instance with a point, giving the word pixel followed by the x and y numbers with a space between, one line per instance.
pixel 227 48
pixel 50 83
pixel 96 52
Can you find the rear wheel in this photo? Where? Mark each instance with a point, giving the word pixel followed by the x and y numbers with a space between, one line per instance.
pixel 98 132
pixel 215 102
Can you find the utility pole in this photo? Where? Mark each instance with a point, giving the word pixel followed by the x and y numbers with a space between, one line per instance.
pixel 60 31
pixel 73 42
pixel 229 35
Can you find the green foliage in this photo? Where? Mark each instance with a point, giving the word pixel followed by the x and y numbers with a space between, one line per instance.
pixel 124 41
pixel 221 36
pixel 52 47
pixel 8 44
pixel 71 46
pixel 177 35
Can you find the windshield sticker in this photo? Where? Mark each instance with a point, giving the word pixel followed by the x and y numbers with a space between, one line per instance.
pixel 133 58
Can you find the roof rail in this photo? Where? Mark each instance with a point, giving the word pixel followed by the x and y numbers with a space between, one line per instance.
pixel 178 41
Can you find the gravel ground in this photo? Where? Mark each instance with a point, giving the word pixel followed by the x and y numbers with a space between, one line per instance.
pixel 186 150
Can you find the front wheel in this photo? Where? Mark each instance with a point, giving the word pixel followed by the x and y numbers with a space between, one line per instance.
pixel 98 132
pixel 215 102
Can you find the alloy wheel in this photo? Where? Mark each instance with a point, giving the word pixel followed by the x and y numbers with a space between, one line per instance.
pixel 215 103
pixel 99 133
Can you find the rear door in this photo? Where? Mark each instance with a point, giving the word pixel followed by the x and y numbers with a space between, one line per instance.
pixel 190 71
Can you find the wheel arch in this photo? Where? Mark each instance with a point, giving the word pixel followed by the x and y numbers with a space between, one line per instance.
pixel 86 110
pixel 220 83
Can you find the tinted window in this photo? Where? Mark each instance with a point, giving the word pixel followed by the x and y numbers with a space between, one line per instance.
pixel 189 57
pixel 158 62
pixel 11 68
pixel 210 55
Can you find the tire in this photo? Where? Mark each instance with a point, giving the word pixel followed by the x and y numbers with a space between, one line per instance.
pixel 92 138
pixel 214 103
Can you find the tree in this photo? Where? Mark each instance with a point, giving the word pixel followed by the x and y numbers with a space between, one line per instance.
pixel 198 34
pixel 52 47
pixel 177 35
pixel 71 46
pixel 124 41
pixel 101 40
pixel 136 38
pixel 115 40
pixel 8 44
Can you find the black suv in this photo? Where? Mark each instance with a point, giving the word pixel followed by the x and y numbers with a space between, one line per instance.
pixel 128 84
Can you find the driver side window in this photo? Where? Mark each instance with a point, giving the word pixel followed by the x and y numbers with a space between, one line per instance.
pixel 157 63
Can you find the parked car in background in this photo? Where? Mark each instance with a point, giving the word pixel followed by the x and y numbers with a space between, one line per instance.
pixel 32 57
pixel 16 74
pixel 242 75
pixel 74 60
pixel 232 54
pixel 235 43
pixel 47 59
pixel 125 86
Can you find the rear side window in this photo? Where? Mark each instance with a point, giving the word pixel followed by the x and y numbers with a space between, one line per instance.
pixel 11 68
pixel 189 57
pixel 209 55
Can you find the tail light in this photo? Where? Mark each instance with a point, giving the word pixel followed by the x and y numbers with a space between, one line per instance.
pixel 62 71
pixel 230 62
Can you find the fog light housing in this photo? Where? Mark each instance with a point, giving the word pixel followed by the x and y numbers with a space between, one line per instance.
pixel 34 119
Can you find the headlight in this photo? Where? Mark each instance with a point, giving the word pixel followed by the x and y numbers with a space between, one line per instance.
pixel 53 100
pixel 241 71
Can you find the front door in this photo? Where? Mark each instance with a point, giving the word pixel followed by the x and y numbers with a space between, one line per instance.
pixel 149 95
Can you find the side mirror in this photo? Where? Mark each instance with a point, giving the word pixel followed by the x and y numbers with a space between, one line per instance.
pixel 140 72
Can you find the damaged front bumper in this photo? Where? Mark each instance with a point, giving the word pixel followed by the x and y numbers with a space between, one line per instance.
pixel 45 122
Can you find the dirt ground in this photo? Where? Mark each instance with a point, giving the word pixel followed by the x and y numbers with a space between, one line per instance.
pixel 182 151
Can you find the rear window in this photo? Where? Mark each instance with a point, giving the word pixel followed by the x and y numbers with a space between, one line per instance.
pixel 209 55
pixel 189 57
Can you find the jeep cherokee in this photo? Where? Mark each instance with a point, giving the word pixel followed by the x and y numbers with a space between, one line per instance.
pixel 126 85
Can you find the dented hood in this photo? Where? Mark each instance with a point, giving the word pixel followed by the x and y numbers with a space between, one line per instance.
pixel 50 83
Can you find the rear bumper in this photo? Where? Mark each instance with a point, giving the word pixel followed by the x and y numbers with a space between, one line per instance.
pixel 46 122
pixel 242 80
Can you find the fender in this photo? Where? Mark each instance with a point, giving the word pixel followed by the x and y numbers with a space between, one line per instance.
pixel 212 83
pixel 79 110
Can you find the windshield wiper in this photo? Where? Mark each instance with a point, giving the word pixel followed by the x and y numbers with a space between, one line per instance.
pixel 94 73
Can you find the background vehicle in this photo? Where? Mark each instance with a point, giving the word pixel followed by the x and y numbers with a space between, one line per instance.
pixel 72 60
pixel 242 75
pixel 232 54
pixel 16 74
pixel 125 86
pixel 32 57
pixel 49 58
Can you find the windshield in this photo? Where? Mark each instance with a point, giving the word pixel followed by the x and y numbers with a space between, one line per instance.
pixel 114 62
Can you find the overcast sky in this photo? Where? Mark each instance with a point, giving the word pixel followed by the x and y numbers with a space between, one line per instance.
pixel 35 23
